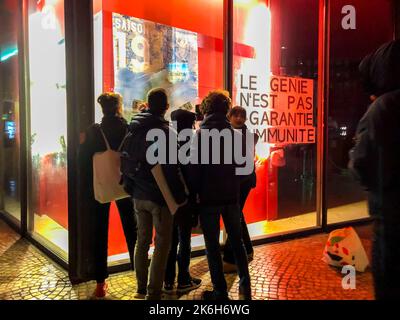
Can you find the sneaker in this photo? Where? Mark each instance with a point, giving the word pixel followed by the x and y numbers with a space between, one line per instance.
pixel 101 290
pixel 196 280
pixel 212 295
pixel 140 295
pixel 229 267
pixel 168 288
pixel 193 284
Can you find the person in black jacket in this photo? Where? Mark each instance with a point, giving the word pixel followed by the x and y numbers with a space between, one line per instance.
pixel 217 187
pixel 237 117
pixel 182 230
pixel 114 128
pixel 376 162
pixel 150 207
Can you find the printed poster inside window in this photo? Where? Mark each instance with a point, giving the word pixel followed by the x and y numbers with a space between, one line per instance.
pixel 149 55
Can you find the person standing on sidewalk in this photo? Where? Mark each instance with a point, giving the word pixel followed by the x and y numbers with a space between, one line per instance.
pixel 150 207
pixel 182 230
pixel 217 186
pixel 237 117
pixel 114 128
pixel 376 161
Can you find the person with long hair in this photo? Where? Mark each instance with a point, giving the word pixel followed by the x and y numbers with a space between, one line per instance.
pixel 111 130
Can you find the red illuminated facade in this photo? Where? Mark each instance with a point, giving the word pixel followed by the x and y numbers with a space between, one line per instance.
pixel 71 50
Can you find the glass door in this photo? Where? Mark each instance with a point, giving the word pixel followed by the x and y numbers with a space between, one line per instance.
pixel 356 30
pixel 47 179
pixel 177 45
pixel 275 73
pixel 10 187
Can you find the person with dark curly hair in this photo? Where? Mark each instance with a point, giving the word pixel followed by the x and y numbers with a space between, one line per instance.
pixel 217 189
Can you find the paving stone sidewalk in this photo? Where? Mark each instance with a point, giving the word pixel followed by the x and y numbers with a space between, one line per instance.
pixel 291 270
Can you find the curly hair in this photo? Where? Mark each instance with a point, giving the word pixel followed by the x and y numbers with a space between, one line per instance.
pixel 110 103
pixel 217 101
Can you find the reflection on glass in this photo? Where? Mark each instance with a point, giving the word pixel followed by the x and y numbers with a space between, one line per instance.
pixel 9 111
pixel 275 73
pixel 48 122
pixel 348 101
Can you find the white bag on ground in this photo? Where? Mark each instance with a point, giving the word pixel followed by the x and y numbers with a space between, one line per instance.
pixel 107 174
pixel 344 247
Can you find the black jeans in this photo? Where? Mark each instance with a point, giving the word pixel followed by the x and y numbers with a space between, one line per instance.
pixel 386 259
pixel 210 223
pixel 228 250
pixel 128 220
pixel 181 236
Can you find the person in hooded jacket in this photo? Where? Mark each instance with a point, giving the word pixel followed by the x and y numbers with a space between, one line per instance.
pixel 150 207
pixel 217 186
pixel 114 128
pixel 375 159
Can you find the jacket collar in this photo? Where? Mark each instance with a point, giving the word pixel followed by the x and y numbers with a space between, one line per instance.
pixel 215 120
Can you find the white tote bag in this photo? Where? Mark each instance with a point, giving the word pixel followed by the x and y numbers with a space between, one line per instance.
pixel 107 174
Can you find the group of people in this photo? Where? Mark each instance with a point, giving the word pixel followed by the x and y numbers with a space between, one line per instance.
pixel 204 193
pixel 209 191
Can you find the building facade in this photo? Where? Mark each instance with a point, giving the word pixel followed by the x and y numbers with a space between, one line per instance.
pixel 293 64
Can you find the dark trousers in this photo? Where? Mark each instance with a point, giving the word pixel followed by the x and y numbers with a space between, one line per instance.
pixel 228 250
pixel 128 220
pixel 210 223
pixel 181 236
pixel 386 259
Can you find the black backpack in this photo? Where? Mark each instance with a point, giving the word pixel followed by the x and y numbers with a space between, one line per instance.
pixel 130 162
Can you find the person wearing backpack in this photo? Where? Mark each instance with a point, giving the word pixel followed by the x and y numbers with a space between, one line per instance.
pixel 150 207
pixel 182 230
pixel 99 138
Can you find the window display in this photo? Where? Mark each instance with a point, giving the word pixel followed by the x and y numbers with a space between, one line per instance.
pixel 48 123
pixel 175 45
pixel 281 108
pixel 148 55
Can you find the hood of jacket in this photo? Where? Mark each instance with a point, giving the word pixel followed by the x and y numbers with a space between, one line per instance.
pixel 215 121
pixel 380 70
pixel 146 120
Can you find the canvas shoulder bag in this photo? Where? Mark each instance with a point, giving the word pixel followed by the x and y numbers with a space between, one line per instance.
pixel 107 174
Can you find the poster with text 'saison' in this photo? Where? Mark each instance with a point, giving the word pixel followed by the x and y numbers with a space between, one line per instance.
pixel 148 55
